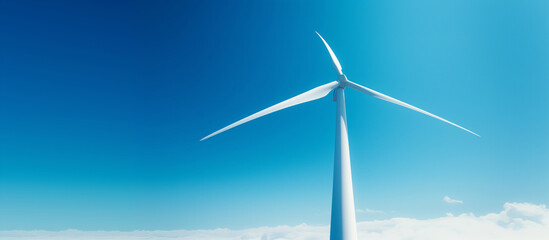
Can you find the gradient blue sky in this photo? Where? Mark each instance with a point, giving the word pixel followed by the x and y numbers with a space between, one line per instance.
pixel 102 105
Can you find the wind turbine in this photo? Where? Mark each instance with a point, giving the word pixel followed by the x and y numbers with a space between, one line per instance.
pixel 343 223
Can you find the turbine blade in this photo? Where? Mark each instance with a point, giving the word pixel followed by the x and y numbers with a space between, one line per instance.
pixel 334 58
pixel 310 95
pixel 398 102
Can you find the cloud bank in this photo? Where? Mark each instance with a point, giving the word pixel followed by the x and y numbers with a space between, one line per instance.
pixel 516 221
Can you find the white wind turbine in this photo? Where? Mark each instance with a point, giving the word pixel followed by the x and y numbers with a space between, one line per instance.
pixel 343 223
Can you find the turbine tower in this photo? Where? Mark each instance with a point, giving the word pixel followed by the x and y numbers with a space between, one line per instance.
pixel 343 222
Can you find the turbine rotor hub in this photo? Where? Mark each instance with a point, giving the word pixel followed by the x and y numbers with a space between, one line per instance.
pixel 342 81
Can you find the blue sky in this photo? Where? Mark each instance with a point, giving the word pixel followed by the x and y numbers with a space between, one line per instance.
pixel 102 106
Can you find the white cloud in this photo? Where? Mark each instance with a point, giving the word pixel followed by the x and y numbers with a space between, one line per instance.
pixel 516 221
pixel 449 200
pixel 367 210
